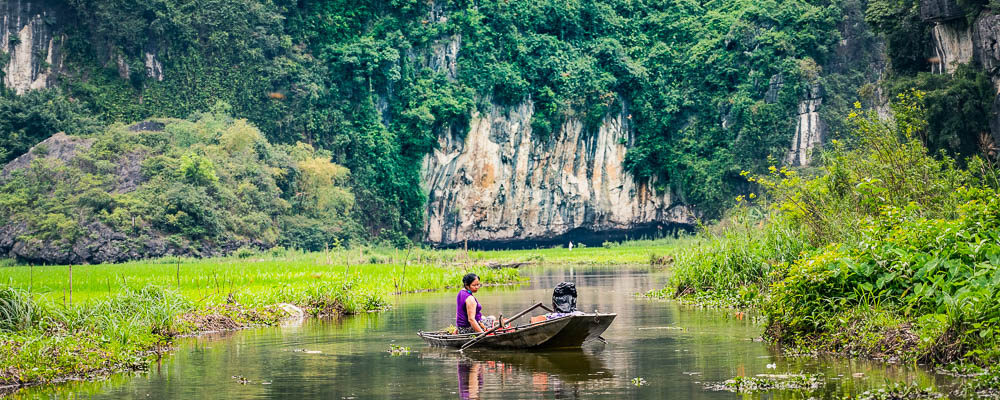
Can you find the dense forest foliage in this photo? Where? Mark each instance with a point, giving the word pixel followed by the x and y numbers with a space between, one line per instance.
pixel 353 78
pixel 712 87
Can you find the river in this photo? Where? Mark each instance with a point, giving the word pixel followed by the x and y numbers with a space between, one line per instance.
pixel 656 349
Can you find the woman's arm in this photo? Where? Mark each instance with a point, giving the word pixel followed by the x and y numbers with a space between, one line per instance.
pixel 470 310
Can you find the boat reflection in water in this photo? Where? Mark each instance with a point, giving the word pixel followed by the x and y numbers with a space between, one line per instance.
pixel 527 374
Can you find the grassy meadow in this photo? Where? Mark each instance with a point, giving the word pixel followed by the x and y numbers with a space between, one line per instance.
pixel 258 278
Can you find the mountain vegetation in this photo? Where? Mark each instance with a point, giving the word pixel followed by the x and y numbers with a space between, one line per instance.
pixel 712 87
pixel 200 187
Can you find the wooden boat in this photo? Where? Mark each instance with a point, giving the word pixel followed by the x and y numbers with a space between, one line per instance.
pixel 568 331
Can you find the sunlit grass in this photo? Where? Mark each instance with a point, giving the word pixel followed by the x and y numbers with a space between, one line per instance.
pixel 258 278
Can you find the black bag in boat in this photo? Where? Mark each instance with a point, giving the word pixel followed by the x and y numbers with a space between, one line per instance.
pixel 564 297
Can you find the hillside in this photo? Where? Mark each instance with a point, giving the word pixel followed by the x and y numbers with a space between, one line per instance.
pixel 467 121
pixel 198 187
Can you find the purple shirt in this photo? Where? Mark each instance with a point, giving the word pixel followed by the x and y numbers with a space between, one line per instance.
pixel 461 315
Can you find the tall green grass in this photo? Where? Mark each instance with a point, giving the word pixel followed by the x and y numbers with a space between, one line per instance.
pixel 741 256
pixel 17 310
pixel 610 253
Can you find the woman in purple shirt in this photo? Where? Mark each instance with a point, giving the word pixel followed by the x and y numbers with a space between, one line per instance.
pixel 468 311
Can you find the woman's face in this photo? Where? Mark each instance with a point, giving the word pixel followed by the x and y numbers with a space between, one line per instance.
pixel 474 286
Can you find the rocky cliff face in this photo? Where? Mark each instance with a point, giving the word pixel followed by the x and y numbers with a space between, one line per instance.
pixel 809 128
pixel 952 39
pixel 952 47
pixel 986 52
pixel 31 44
pixel 986 44
pixel 956 42
pixel 502 182
pixel 859 50
pixel 31 36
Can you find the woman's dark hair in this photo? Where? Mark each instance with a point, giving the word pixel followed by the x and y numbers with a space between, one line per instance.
pixel 469 278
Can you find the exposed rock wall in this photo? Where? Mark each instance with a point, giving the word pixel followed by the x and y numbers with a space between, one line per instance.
pixel 951 38
pixel 860 51
pixel 940 10
pixel 28 38
pixel 31 35
pixel 500 181
pixel 808 130
pixel 986 43
pixel 986 51
pixel 952 47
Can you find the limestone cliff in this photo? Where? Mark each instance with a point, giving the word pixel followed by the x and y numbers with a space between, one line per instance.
pixel 952 47
pixel 986 44
pixel 808 128
pixel 31 44
pixel 500 181
pixel 952 40
pixel 31 39
pixel 859 55
pixel 955 41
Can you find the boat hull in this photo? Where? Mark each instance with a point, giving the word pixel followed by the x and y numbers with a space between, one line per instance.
pixel 568 331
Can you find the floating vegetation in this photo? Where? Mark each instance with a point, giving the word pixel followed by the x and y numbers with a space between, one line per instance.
pixel 766 382
pixel 984 384
pixel 669 328
pixel 900 391
pixel 638 381
pixel 395 350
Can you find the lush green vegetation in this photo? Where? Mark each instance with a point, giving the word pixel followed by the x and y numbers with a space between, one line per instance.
pixel 114 319
pixel 36 115
pixel 958 105
pixel 708 86
pixel 196 187
pixel 712 89
pixel 883 251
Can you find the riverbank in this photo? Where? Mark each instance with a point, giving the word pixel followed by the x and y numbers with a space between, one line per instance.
pixel 884 252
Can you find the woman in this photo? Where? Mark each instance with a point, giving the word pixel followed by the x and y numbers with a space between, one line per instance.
pixel 468 312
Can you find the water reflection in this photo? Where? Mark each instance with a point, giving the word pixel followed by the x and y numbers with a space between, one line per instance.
pixel 562 374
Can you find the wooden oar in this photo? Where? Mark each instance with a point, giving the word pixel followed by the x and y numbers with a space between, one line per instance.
pixel 483 335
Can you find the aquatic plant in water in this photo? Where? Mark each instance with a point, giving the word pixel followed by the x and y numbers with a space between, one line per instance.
pixel 396 350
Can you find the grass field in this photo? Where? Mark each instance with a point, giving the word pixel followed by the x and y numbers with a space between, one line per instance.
pixel 260 278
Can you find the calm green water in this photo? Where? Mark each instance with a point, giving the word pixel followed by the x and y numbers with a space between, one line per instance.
pixel 675 349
